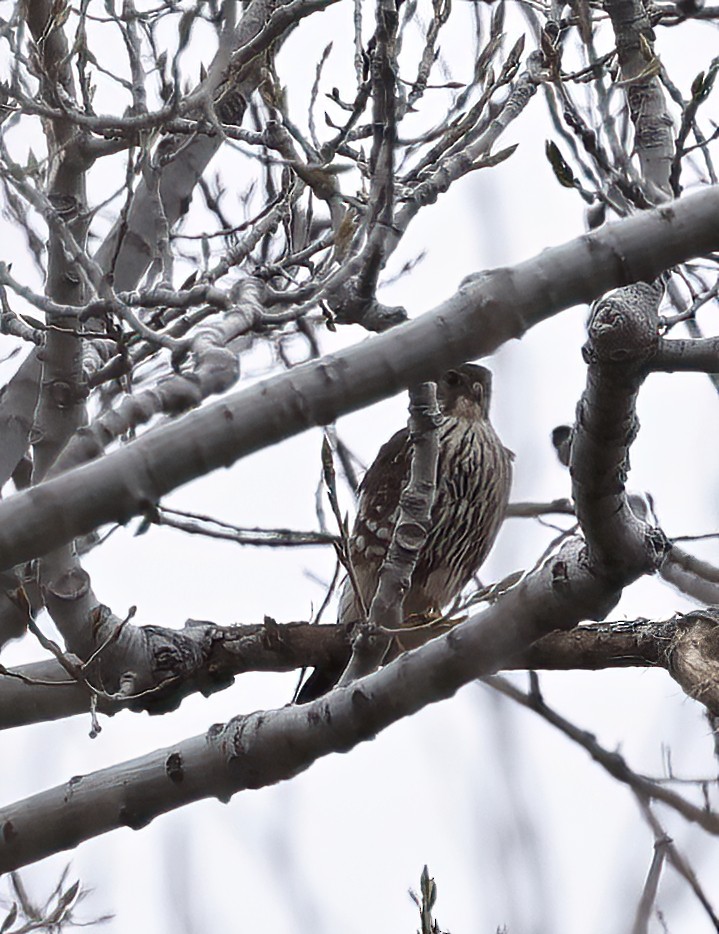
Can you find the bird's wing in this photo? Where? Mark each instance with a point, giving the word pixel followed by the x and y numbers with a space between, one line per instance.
pixel 376 517
pixel 381 488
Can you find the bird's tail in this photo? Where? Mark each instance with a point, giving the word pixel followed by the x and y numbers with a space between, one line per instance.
pixel 324 679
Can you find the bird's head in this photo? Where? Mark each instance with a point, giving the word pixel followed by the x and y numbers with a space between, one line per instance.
pixel 465 391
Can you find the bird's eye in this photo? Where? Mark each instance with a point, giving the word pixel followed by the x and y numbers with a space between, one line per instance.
pixel 452 378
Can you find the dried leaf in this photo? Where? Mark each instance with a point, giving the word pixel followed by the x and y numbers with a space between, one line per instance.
pixel 189 281
pixel 497 157
pixel 69 896
pixel 561 168
pixel 515 54
pixel 9 919
pixel 487 54
pixel 497 20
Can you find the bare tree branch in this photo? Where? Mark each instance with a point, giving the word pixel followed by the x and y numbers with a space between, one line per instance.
pixel 475 321
pixel 611 762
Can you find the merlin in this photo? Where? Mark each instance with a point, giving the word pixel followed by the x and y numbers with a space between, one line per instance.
pixel 474 474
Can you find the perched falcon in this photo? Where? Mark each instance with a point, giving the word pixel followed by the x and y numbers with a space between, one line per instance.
pixel 474 473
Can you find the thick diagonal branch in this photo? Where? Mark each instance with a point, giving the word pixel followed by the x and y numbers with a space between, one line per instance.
pixel 484 313
pixel 267 747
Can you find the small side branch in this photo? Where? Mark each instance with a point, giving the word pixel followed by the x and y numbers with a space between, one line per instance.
pixel 612 762
pixel 694 577
pixel 675 858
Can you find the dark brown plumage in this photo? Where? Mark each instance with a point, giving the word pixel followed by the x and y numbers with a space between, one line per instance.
pixel 474 472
